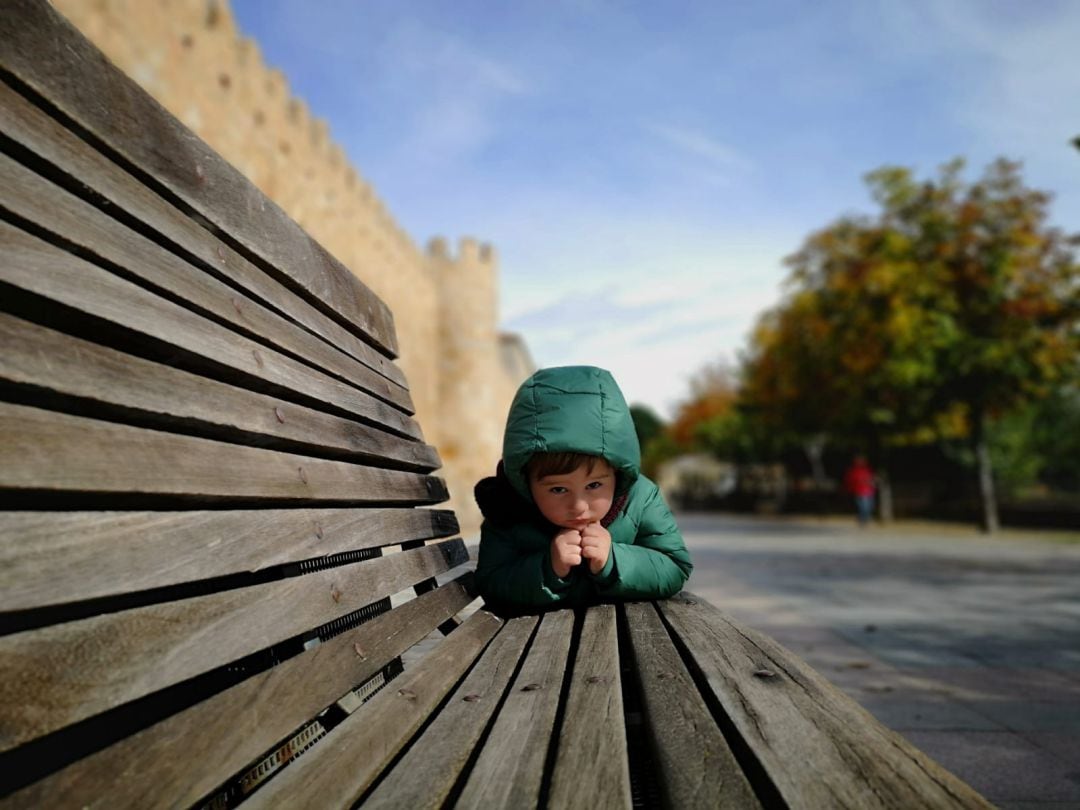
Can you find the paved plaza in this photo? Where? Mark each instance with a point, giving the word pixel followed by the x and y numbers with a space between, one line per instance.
pixel 968 646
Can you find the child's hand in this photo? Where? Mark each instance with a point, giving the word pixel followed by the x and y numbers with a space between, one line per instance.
pixel 595 546
pixel 565 552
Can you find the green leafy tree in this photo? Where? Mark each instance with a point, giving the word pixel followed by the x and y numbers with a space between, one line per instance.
pixel 647 424
pixel 1006 291
pixel 951 308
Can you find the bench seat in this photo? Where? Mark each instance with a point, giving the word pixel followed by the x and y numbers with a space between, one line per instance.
pixel 225 579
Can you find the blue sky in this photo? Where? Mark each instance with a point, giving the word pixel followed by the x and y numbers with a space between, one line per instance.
pixel 642 168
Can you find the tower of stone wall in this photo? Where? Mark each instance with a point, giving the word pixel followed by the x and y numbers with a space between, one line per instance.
pixel 469 350
pixel 189 55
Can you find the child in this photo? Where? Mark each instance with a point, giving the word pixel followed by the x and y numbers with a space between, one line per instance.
pixel 568 518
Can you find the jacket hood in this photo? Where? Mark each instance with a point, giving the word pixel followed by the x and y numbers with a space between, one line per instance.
pixel 577 409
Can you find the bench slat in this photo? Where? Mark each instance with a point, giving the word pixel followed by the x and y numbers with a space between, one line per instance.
pixel 36 131
pixel 510 768
pixel 591 768
pixel 695 763
pixel 357 750
pixel 819 747
pixel 44 52
pixel 153 768
pixel 57 675
pixel 427 773
pixel 32 264
pixel 55 452
pixel 170 399
pixel 34 199
pixel 51 558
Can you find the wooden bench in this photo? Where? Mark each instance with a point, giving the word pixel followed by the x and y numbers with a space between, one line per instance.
pixel 215 548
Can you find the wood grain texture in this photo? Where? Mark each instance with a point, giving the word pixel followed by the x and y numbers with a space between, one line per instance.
pixel 591 767
pixel 57 675
pixel 50 558
pixel 39 133
pixel 696 768
pixel 342 766
pixel 34 265
pixel 35 199
pixel 45 53
pixel 426 774
pixel 819 747
pixel 54 452
pixel 181 759
pixel 510 769
pixel 159 396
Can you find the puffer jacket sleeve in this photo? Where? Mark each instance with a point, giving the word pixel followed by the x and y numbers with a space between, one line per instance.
pixel 512 574
pixel 656 564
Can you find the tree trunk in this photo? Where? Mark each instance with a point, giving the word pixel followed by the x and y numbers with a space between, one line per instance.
pixel 885 505
pixel 882 482
pixel 987 497
pixel 814 448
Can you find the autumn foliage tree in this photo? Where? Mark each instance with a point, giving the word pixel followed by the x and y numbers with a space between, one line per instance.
pixel 954 305
pixel 713 392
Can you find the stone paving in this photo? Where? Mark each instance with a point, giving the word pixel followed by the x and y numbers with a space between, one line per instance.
pixel 968 646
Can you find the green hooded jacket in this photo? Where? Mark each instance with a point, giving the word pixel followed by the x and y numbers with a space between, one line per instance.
pixel 574 409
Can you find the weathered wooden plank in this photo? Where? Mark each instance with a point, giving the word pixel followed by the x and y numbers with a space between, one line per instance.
pixel 50 558
pixel 181 759
pixel 591 767
pixel 819 747
pixel 45 53
pixel 695 763
pixel 510 768
pixel 35 199
pixel 172 399
pixel 34 130
pixel 344 764
pixel 426 774
pixel 54 452
pixel 54 676
pixel 34 265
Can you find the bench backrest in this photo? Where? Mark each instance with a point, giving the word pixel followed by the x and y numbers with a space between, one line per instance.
pixel 208 462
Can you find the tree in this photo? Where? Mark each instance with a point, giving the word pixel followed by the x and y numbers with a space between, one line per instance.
pixel 848 356
pixel 953 306
pixel 713 392
pixel 1006 289
pixel 647 424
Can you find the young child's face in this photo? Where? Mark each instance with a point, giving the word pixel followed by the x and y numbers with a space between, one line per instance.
pixel 575 499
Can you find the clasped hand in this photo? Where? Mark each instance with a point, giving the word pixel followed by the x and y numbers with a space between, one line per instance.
pixel 571 546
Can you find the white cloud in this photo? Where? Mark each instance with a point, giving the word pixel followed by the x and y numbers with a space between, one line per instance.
pixel 458 91
pixel 653 330
pixel 1014 78
pixel 713 160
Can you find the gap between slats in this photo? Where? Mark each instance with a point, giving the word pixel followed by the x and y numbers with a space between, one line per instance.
pixel 48 369
pixel 177 336
pixel 89 174
pixel 103 552
pixel 149 180
pixel 291 339
pixel 758 777
pixel 192 710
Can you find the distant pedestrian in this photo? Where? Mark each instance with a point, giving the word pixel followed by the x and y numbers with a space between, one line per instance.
pixel 859 482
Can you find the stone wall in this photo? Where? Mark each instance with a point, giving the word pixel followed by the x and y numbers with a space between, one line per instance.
pixel 189 55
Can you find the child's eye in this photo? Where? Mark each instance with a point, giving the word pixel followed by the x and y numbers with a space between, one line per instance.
pixel 594 485
pixel 557 490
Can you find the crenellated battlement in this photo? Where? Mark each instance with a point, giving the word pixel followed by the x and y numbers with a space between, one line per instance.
pixel 191 57
pixel 470 252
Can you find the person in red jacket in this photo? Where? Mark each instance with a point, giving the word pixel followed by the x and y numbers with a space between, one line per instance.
pixel 859 482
